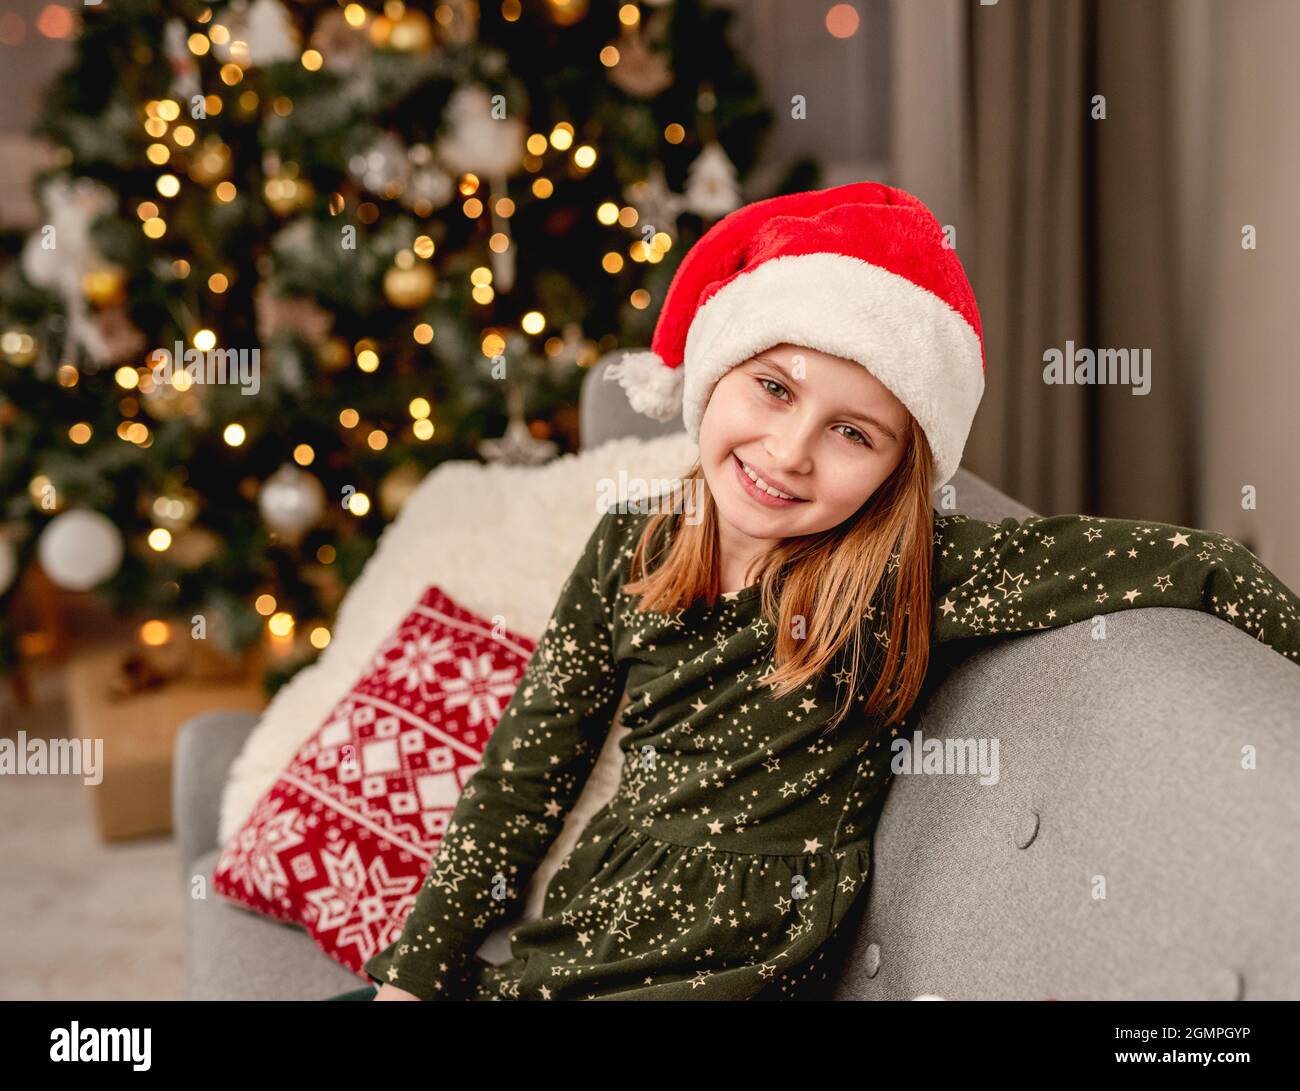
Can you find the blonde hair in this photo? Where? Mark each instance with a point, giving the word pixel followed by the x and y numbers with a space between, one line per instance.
pixel 872 569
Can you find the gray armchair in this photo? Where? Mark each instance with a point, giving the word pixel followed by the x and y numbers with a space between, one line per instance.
pixel 1125 853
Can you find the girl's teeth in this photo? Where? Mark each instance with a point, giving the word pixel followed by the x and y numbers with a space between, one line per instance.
pixel 763 484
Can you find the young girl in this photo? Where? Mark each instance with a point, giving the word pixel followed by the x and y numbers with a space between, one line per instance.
pixel 825 350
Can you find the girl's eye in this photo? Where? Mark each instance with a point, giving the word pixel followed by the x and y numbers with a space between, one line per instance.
pixel 861 438
pixel 765 383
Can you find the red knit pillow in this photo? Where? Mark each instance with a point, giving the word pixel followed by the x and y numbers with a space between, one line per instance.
pixel 342 840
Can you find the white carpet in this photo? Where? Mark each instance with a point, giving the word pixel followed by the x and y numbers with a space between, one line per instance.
pixel 82 919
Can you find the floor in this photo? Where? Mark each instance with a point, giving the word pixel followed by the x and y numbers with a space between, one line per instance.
pixel 82 919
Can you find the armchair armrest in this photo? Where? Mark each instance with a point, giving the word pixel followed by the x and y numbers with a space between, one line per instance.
pixel 205 747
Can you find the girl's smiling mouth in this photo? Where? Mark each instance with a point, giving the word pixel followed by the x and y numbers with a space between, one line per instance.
pixel 759 491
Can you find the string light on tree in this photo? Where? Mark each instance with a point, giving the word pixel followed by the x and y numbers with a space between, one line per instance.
pixel 463 212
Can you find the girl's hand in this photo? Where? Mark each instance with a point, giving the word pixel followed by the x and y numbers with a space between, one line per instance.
pixel 392 992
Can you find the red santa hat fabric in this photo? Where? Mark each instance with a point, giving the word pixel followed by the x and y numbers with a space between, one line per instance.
pixel 862 271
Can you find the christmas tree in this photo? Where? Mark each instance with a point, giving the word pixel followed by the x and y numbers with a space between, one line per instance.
pixel 296 255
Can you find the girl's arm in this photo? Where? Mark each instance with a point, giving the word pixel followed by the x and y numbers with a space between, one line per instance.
pixel 534 767
pixel 1017 575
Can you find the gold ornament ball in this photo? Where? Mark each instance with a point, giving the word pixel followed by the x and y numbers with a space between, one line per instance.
pixel 193 547
pixel 381 26
pixel 19 348
pixel 411 33
pixel 210 163
pixel 409 288
pixel 104 286
pixel 175 509
pixel 286 195
pixel 566 12
pixel 334 354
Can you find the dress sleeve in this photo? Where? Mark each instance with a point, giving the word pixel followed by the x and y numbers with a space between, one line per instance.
pixel 1017 575
pixel 535 764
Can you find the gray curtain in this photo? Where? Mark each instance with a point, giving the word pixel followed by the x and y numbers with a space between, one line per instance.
pixel 1066 226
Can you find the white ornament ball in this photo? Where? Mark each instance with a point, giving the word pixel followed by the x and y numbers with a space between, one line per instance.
pixel 291 501
pixel 476 141
pixel 80 549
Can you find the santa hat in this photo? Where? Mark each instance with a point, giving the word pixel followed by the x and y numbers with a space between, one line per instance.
pixel 862 271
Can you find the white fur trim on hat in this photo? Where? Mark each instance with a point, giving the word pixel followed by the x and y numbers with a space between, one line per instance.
pixel 653 388
pixel 918 346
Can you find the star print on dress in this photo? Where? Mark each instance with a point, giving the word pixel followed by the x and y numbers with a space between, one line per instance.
pixel 1015 576
pixel 740 832
pixel 734 844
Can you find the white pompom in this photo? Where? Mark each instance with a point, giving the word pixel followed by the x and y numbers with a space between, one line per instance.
pixel 653 388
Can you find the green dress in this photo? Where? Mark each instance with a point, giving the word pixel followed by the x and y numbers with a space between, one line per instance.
pixel 739 836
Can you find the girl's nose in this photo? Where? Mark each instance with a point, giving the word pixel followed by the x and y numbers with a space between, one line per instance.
pixel 789 448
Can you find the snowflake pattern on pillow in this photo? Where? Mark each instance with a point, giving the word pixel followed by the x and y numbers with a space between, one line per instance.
pixel 342 841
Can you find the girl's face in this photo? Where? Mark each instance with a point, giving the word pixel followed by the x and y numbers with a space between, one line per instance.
pixel 814 426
